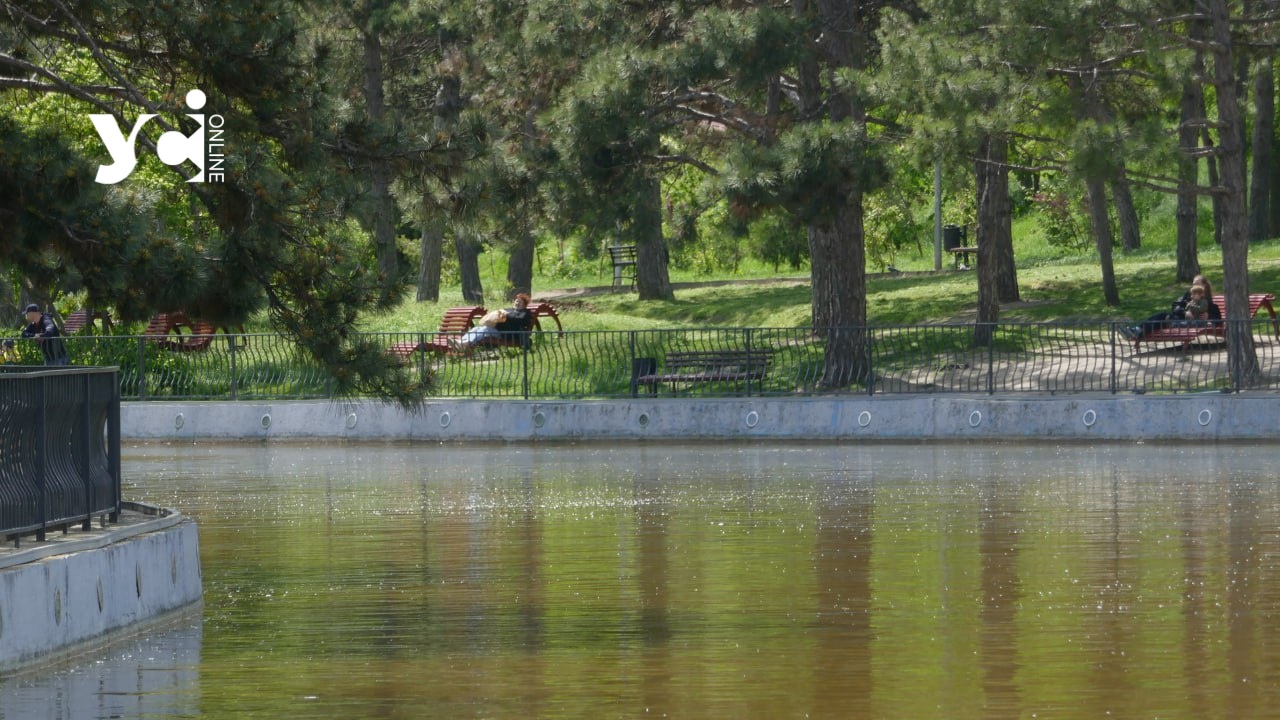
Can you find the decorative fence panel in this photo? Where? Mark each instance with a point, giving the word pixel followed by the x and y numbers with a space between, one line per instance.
pixel 1020 358
pixel 59 448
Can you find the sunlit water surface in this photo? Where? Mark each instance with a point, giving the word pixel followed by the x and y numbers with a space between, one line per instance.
pixel 704 581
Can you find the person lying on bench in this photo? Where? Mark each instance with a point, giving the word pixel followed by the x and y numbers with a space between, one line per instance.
pixel 497 323
pixel 1176 314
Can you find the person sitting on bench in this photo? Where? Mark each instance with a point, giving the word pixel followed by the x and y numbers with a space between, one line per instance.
pixel 1177 313
pixel 495 324
pixel 1198 306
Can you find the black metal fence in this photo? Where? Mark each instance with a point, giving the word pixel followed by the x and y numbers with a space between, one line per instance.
pixel 1020 358
pixel 59 448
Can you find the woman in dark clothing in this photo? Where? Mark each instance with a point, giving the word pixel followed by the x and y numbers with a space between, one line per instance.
pixel 1177 314
pixel 505 323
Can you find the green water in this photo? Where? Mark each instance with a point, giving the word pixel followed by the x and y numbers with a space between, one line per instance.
pixel 705 581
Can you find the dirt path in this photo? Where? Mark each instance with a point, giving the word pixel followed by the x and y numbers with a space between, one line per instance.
pixel 593 290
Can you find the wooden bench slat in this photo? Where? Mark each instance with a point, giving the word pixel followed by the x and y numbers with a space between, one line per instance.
pixel 696 366
pixel 623 258
pixel 456 321
pixel 1185 335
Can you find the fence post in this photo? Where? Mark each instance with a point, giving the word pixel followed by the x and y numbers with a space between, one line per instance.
pixel 82 453
pixel 747 344
pixel 232 340
pixel 1115 370
pixel 991 361
pixel 142 368
pixel 42 460
pixel 871 368
pixel 113 447
pixel 524 369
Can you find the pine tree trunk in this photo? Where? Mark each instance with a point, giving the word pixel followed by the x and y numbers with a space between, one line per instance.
pixel 1102 238
pixel 1126 213
pixel 1263 132
pixel 838 273
pixel 1215 178
pixel 1199 33
pixel 384 233
pixel 446 106
pixel 652 280
pixel 995 219
pixel 429 264
pixel 1273 223
pixel 1242 357
pixel 469 267
pixel 1188 212
pixel 989 169
pixel 520 262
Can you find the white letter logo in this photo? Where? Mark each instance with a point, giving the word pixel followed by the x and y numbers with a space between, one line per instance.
pixel 173 147
pixel 121 150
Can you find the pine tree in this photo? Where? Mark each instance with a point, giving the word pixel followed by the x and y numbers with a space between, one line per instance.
pixel 275 234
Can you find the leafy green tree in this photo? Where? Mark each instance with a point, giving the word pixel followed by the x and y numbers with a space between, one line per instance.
pixel 962 101
pixel 782 90
pixel 275 233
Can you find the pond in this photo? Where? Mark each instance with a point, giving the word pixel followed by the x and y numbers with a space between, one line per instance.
pixel 704 581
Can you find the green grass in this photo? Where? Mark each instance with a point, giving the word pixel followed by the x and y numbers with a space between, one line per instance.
pixel 1054 286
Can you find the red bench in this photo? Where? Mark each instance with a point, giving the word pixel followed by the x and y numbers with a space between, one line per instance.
pixel 84 317
pixel 458 320
pixel 1185 335
pixel 544 309
pixel 455 322
pixel 166 330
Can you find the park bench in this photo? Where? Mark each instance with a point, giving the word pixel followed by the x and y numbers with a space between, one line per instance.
pixel 458 320
pixel 624 264
pixel 545 309
pixel 699 366
pixel 166 330
pixel 1184 335
pixel 958 252
pixel 85 317
pixel 538 310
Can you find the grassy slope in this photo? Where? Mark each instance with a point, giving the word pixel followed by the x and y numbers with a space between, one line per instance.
pixel 1055 284
pixel 1052 288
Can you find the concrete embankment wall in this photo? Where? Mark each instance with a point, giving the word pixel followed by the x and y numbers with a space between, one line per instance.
pixel 61 596
pixel 853 418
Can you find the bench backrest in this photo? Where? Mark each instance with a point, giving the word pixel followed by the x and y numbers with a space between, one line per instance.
pixel 752 361
pixel 545 309
pixel 461 319
pixel 622 254
pixel 1256 302
pixel 75 322
pixel 160 324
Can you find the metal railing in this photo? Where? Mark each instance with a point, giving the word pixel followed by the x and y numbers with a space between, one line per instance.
pixel 1020 358
pixel 59 448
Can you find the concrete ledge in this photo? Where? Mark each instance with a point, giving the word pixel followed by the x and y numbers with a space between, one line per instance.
pixel 90 588
pixel 898 417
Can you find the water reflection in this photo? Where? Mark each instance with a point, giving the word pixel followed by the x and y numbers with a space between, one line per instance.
pixel 736 581
pixel 155 675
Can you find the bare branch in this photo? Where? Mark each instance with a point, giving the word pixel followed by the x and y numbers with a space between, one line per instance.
pixel 42 87
pixel 56 81
pixel 108 65
pixel 686 160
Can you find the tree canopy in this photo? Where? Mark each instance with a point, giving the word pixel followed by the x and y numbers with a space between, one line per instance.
pixel 340 125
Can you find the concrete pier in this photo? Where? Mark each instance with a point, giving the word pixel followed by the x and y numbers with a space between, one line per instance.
pixel 83 588
pixel 1098 418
